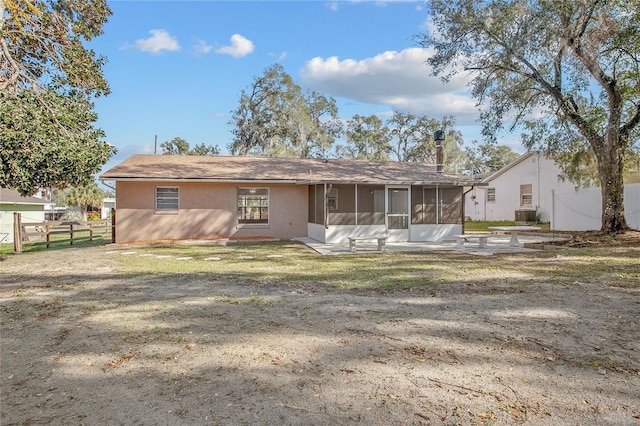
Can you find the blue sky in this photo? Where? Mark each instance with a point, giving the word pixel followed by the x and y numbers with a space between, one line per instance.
pixel 177 68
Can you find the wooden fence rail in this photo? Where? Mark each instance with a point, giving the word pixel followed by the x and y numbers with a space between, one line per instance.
pixel 45 233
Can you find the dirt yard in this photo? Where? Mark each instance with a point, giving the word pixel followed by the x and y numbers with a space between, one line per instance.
pixel 86 340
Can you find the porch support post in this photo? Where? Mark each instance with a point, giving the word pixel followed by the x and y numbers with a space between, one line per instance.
pixel 437 204
pixel 356 203
pixel 325 206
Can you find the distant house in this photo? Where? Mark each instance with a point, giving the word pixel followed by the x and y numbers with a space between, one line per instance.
pixel 519 191
pixel 194 197
pixel 531 188
pixel 32 209
pixel 108 204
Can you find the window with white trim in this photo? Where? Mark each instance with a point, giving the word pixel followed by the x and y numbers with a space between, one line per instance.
pixel 491 195
pixel 253 206
pixel 167 199
pixel 526 195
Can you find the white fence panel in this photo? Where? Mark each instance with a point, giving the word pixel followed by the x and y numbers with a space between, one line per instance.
pixel 582 210
pixel 632 205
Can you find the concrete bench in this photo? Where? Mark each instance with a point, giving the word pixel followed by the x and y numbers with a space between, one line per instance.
pixel 482 239
pixel 381 242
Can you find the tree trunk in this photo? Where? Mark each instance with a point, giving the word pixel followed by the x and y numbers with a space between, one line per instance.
pixel 610 165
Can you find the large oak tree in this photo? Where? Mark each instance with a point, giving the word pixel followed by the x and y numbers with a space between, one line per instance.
pixel 567 71
pixel 276 118
pixel 48 80
pixel 412 139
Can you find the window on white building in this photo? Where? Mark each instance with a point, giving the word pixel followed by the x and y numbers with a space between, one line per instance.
pixel 491 195
pixel 526 195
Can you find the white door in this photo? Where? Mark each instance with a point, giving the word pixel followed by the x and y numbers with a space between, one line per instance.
pixel 398 213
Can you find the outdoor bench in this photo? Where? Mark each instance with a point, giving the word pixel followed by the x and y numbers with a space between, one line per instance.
pixel 482 239
pixel 381 241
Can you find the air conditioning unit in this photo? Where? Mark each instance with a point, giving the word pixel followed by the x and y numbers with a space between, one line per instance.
pixel 525 215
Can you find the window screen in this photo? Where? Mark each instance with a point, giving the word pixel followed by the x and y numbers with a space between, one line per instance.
pixel 253 205
pixel 167 199
pixel 526 194
pixel 491 194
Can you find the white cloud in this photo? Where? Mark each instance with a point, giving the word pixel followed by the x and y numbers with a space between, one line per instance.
pixel 400 80
pixel 159 41
pixel 201 48
pixel 279 57
pixel 240 46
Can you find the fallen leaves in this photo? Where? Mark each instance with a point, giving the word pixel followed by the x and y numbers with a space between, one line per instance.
pixel 119 362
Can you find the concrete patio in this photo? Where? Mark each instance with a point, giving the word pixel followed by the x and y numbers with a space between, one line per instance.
pixel 497 243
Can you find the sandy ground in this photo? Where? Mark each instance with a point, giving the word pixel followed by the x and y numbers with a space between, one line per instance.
pixel 91 345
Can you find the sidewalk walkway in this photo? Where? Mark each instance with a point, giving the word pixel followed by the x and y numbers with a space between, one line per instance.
pixel 498 243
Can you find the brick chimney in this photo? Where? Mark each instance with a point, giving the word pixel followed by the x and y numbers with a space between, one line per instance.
pixel 439 137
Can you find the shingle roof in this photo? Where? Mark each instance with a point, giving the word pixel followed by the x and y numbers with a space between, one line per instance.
pixel 9 196
pixel 296 170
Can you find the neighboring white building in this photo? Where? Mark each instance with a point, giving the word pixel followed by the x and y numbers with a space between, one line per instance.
pixel 519 191
pixel 530 188
pixel 108 204
pixel 31 209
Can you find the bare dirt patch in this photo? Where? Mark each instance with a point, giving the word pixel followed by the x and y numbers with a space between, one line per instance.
pixel 86 339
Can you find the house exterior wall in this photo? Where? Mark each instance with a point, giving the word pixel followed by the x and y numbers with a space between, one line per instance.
pixel 206 210
pixel 543 175
pixel 29 212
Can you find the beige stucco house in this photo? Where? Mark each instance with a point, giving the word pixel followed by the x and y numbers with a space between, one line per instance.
pixel 207 197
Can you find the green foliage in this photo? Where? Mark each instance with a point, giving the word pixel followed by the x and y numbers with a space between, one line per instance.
pixel 85 196
pixel 42 148
pixel 48 79
pixel 368 139
pixel 483 225
pixel 276 118
pixel 94 216
pixel 412 139
pixel 567 72
pixel 488 157
pixel 179 146
pixel 72 216
pixel 202 149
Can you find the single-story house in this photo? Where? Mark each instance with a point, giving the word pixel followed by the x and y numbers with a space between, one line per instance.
pixel 520 191
pixel 32 209
pixel 531 188
pixel 207 197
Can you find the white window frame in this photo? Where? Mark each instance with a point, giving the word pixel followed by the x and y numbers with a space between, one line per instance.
pixel 491 195
pixel 167 198
pixel 526 192
pixel 241 203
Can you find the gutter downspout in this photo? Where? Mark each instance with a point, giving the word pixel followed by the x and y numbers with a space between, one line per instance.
pixel 464 197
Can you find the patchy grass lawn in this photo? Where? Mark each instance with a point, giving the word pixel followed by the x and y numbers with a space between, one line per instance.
pixel 287 263
pixel 483 225
pixel 273 333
